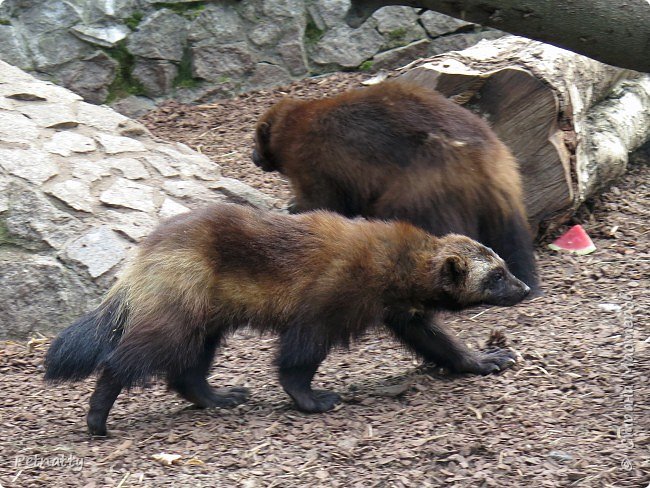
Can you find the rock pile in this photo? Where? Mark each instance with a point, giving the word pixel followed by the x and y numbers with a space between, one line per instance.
pixel 197 50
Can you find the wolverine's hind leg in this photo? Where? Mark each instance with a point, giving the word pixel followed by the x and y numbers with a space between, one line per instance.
pixel 301 353
pixel 192 383
pixel 102 400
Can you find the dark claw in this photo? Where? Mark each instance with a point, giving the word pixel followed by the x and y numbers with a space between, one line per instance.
pixel 319 401
pixel 489 362
pixel 225 397
pixel 96 425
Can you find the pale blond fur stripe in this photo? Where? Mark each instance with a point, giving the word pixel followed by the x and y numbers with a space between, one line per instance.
pixel 155 277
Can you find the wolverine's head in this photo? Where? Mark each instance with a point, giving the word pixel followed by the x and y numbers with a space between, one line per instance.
pixel 472 273
pixel 265 151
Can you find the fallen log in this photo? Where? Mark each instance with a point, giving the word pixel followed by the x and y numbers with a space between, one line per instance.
pixel 570 121
pixel 616 32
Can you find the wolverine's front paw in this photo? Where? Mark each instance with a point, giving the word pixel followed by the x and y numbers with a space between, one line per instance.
pixel 318 401
pixel 489 362
pixel 96 424
pixel 225 397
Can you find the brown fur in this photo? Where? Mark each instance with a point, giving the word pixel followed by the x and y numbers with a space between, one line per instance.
pixel 400 151
pixel 318 280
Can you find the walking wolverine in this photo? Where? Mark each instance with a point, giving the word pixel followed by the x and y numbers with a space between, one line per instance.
pixel 400 151
pixel 317 279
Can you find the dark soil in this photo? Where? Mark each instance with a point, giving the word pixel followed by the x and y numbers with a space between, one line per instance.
pixel 575 411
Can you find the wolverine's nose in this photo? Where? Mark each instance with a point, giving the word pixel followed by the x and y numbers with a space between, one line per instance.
pixel 526 289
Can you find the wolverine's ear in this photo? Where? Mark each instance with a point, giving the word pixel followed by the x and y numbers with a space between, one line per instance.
pixel 263 133
pixel 455 268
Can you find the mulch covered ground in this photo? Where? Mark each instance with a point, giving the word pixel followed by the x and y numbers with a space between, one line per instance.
pixel 574 412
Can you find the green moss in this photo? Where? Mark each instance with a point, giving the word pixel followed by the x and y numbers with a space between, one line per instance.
pixel 124 84
pixel 134 20
pixel 396 38
pixel 312 33
pixel 397 34
pixel 189 10
pixel 6 238
pixel 4 234
pixel 184 78
pixel 366 66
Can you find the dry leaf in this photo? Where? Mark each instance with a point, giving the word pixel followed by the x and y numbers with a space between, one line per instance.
pixel 166 459
pixel 194 462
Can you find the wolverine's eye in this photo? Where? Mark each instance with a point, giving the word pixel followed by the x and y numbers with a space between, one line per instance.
pixel 497 277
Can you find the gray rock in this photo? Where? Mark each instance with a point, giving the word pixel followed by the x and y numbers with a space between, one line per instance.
pixel 4 197
pixel 67 142
pixel 90 77
pixel 98 117
pixel 161 164
pixel 399 25
pixel 437 24
pixel 43 17
pixel 134 225
pixel 12 86
pixel 217 62
pixel 32 165
pixel 220 23
pixel 294 56
pixel 119 144
pixel 88 169
pixel 52 115
pixel 457 42
pixel 347 47
pixel 74 193
pixel 401 56
pixel 287 9
pixel 265 34
pixel 133 106
pixel 17 128
pixel 108 9
pixel 129 194
pixel 131 128
pixel 157 77
pixel 53 49
pixel 39 294
pixel 170 208
pixel 184 189
pixel 268 75
pixel 189 163
pixel 238 192
pixel 98 250
pixel 6 104
pixel 162 35
pixel 12 50
pixel 105 35
pixel 131 168
pixel 250 10
pixel 327 14
pixel 35 223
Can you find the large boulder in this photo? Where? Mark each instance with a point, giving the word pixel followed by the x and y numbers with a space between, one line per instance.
pixel 80 185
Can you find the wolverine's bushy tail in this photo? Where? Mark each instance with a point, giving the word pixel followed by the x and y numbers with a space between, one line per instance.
pixel 81 348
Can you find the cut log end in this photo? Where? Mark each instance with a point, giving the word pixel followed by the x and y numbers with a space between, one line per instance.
pixel 551 108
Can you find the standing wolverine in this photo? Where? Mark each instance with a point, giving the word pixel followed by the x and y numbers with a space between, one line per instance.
pixel 400 151
pixel 317 279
